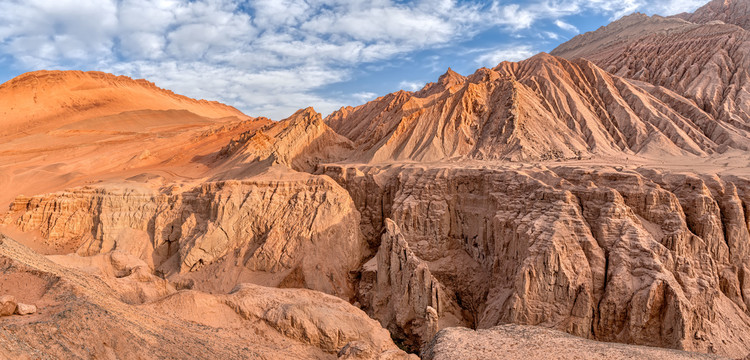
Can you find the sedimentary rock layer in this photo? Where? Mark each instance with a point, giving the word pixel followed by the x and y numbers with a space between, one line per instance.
pixel 235 229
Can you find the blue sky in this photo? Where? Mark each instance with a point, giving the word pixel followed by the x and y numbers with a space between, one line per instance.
pixel 271 57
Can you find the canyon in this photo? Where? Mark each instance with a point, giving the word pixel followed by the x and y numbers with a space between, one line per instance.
pixel 593 202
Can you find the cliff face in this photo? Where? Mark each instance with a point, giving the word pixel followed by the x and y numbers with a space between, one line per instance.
pixel 398 289
pixel 233 228
pixel 638 257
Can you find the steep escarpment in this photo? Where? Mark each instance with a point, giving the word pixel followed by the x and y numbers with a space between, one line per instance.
pixel 397 289
pixel 638 257
pixel 238 229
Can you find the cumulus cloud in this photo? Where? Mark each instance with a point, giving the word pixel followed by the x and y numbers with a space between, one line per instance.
pixel 509 53
pixel 567 27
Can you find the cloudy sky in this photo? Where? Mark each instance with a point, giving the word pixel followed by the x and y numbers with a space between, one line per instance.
pixel 271 57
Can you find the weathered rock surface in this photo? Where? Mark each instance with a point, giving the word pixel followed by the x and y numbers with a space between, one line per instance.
pixel 530 342
pixel 299 142
pixel 538 109
pixel 672 58
pixel 25 309
pixel 233 229
pixel 634 257
pixel 84 318
pixel 736 12
pixel 398 290
pixel 8 305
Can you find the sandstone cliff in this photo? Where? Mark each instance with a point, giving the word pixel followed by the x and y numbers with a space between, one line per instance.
pixel 213 236
pixel 639 257
pixel 398 290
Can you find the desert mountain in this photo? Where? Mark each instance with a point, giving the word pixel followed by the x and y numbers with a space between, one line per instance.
pixel 704 62
pixel 69 128
pixel 539 109
pixel 602 191
pixel 735 12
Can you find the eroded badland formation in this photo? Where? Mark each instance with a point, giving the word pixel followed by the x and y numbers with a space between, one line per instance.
pixel 592 203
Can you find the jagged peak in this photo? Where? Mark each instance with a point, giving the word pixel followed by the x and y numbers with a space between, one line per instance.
pixel 451 78
pixel 483 75
pixel 307 114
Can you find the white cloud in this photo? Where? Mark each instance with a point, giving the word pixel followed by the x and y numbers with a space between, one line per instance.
pixel 363 97
pixel 567 27
pixel 509 53
pixel 411 85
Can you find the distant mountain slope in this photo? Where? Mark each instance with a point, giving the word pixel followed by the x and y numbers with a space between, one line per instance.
pixel 67 128
pixel 541 108
pixel 706 63
pixel 736 12
pixel 41 100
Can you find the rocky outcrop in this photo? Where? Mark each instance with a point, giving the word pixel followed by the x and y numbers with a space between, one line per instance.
pixel 621 256
pixel 234 228
pixel 530 342
pixel 84 318
pixel 398 290
pixel 25 309
pixel 299 142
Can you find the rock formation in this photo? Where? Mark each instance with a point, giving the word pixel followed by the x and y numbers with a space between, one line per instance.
pixel 639 257
pixel 84 317
pixel 398 290
pixel 238 230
